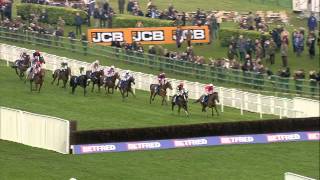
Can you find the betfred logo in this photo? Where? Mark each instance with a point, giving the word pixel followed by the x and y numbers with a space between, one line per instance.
pixel 142 146
pixel 283 137
pixel 143 36
pixel 102 148
pixel 190 142
pixel 107 37
pixel 314 136
pixel 236 140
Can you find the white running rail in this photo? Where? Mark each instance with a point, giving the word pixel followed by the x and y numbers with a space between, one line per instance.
pixel 244 101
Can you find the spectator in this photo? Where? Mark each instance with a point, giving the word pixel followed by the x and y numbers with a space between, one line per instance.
pixel 96 16
pixel 311 43
pixel 183 19
pixel 8 10
pixel 139 24
pixel 314 80
pixel 84 43
pixel 214 27
pixel 299 77
pixel 58 34
pixel 298 43
pixel 44 16
pixel 312 22
pixel 121 4
pixel 284 52
pixel 232 52
pixel 72 38
pixel 179 36
pixel 130 6
pixel 270 49
pixel 188 37
pixel 241 45
pixel 249 47
pixel 78 22
pixel 61 22
pixel 258 49
pixel 250 20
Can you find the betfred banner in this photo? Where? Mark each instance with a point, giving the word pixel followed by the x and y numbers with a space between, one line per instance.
pixel 154 35
pixel 196 142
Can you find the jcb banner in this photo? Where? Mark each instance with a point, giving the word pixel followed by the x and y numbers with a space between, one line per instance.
pixel 154 35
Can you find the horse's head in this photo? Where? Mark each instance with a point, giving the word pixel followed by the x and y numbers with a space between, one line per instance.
pixel 116 75
pixel 168 85
pixel 216 96
pixel 131 80
pixel 186 95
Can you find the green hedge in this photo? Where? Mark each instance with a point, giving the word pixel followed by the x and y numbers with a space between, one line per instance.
pixel 125 21
pixel 68 14
pixel 225 35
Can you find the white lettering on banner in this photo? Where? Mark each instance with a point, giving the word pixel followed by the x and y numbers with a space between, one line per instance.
pixel 190 142
pixel 147 36
pixel 314 136
pixel 197 34
pixel 139 146
pixel 233 140
pixel 283 137
pixel 107 37
pixel 103 148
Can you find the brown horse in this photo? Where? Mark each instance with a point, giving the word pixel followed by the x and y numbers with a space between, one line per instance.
pixel 211 102
pixel 21 66
pixel 95 78
pixel 156 89
pixel 110 82
pixel 38 79
pixel 61 75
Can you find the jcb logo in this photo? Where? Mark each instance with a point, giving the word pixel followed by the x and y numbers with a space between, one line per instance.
pixel 107 37
pixel 139 36
pixel 196 34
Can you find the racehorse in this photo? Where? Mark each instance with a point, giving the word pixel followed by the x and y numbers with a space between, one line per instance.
pixel 37 78
pixel 125 87
pixel 162 91
pixel 211 102
pixel 110 82
pixel 22 65
pixel 61 75
pixel 95 78
pixel 182 102
pixel 79 81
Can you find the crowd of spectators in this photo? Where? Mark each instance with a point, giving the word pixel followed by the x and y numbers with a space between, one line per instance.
pixel 5 9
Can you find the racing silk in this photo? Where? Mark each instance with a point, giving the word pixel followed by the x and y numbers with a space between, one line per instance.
pixel 162 79
pixel 125 77
pixel 36 54
pixel 180 90
pixel 208 89
pixel 37 67
pixel 94 67
pixel 109 72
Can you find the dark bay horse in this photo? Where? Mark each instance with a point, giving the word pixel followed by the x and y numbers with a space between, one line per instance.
pixel 79 81
pixel 61 75
pixel 95 78
pixel 125 87
pixel 211 102
pixel 21 66
pixel 162 91
pixel 110 82
pixel 182 102
pixel 38 79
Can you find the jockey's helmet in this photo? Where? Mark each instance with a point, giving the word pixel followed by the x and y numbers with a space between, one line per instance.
pixel 96 62
pixel 127 71
pixel 211 85
pixel 112 67
pixel 181 84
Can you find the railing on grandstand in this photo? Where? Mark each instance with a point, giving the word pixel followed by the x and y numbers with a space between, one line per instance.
pixel 256 81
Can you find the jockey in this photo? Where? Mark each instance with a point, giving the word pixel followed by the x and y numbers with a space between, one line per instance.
pixel 36 68
pixel 23 56
pixel 208 90
pixel 109 72
pixel 125 77
pixel 82 71
pixel 180 91
pixel 36 55
pixel 95 66
pixel 64 65
pixel 162 78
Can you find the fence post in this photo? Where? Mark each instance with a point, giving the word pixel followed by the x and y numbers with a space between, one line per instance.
pixel 241 103
pixel 259 105
pixel 222 98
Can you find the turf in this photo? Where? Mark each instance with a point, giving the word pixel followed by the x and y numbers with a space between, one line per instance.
pixel 236 162
pixel 98 110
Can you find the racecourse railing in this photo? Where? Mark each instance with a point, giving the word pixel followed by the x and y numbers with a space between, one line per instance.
pixel 244 101
pixel 35 130
pixel 251 81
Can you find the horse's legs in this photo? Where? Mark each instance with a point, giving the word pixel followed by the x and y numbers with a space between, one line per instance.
pixel 92 86
pixel 31 86
pixel 84 91
pixel 151 95
pixel 215 107
pixel 40 87
pixel 186 110
pixel 179 108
